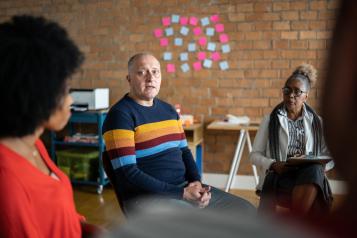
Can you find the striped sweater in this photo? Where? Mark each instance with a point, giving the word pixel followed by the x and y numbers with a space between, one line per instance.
pixel 148 149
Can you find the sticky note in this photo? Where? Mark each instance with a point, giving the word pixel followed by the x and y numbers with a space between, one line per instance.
pixel 193 21
pixel 183 20
pixel 184 31
pixel 169 31
pixel 205 21
pixel 201 55
pixel 207 63
pixel 158 32
pixel 210 31
pixel 184 56
pixel 185 67
pixel 191 47
pixel 223 65
pixel 178 41
pixel 175 18
pixel 164 41
pixel 166 21
pixel 226 48
pixel 197 65
pixel 214 18
pixel 202 41
pixel 223 38
pixel 219 27
pixel 211 46
pixel 215 56
pixel 170 68
pixel 197 31
pixel 167 56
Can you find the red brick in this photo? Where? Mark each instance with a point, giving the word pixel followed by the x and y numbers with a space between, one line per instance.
pixel 280 64
pixel 281 6
pixel 253 35
pixel 289 35
pixel 298 44
pixel 317 44
pixel 300 25
pixel 280 44
pixel 290 15
pixel 262 44
pixel 282 25
pixel 245 26
pixel 298 5
pixel 308 15
pixel 318 5
pixel 263 26
pixel 236 17
pixel 307 35
pixel 263 7
pixel 244 7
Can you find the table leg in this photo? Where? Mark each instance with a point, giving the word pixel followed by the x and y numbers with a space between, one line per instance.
pixel 253 166
pixel 236 159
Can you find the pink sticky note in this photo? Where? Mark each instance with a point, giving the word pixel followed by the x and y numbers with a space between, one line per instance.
pixel 215 18
pixel 183 20
pixel 197 31
pixel 193 21
pixel 201 55
pixel 202 41
pixel 215 56
pixel 223 38
pixel 164 41
pixel 166 21
pixel 197 65
pixel 170 68
pixel 158 32
pixel 219 27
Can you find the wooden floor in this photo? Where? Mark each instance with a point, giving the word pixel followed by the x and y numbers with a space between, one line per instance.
pixel 104 210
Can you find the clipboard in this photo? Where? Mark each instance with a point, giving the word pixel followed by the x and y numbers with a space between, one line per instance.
pixel 308 159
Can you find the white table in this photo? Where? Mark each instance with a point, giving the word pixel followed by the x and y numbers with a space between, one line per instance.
pixel 243 139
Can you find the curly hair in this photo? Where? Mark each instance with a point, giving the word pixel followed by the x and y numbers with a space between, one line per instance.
pixel 37 59
pixel 306 73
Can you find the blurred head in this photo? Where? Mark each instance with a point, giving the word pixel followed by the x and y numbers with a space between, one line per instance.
pixel 297 87
pixel 144 77
pixel 37 59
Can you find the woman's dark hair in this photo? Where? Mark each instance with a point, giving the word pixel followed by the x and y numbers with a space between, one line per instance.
pixel 37 58
pixel 274 126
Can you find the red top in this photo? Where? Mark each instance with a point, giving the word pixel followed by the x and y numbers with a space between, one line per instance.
pixel 33 204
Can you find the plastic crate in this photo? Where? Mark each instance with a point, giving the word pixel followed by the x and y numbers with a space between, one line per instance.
pixel 79 164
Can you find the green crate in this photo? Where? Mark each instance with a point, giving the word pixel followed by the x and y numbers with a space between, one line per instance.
pixel 79 164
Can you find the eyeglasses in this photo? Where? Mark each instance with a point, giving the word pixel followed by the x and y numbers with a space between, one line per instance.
pixel 143 73
pixel 296 92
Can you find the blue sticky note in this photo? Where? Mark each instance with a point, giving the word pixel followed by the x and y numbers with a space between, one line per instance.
pixel 210 31
pixel 178 41
pixel 205 21
pixel 167 56
pixel 184 31
pixel 191 47
pixel 169 31
pixel 175 18
pixel 207 63
pixel 226 48
pixel 223 65
pixel 211 46
pixel 185 67
pixel 184 56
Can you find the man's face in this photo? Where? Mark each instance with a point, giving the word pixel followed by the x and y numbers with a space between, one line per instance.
pixel 144 79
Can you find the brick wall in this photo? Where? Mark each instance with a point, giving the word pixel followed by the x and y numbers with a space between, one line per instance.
pixel 268 39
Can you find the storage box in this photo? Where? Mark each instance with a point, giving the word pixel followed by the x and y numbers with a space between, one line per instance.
pixel 79 164
pixel 97 98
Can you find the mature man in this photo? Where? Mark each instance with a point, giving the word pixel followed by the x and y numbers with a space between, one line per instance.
pixel 148 150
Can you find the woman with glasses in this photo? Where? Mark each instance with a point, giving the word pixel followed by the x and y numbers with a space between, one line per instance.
pixel 292 129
